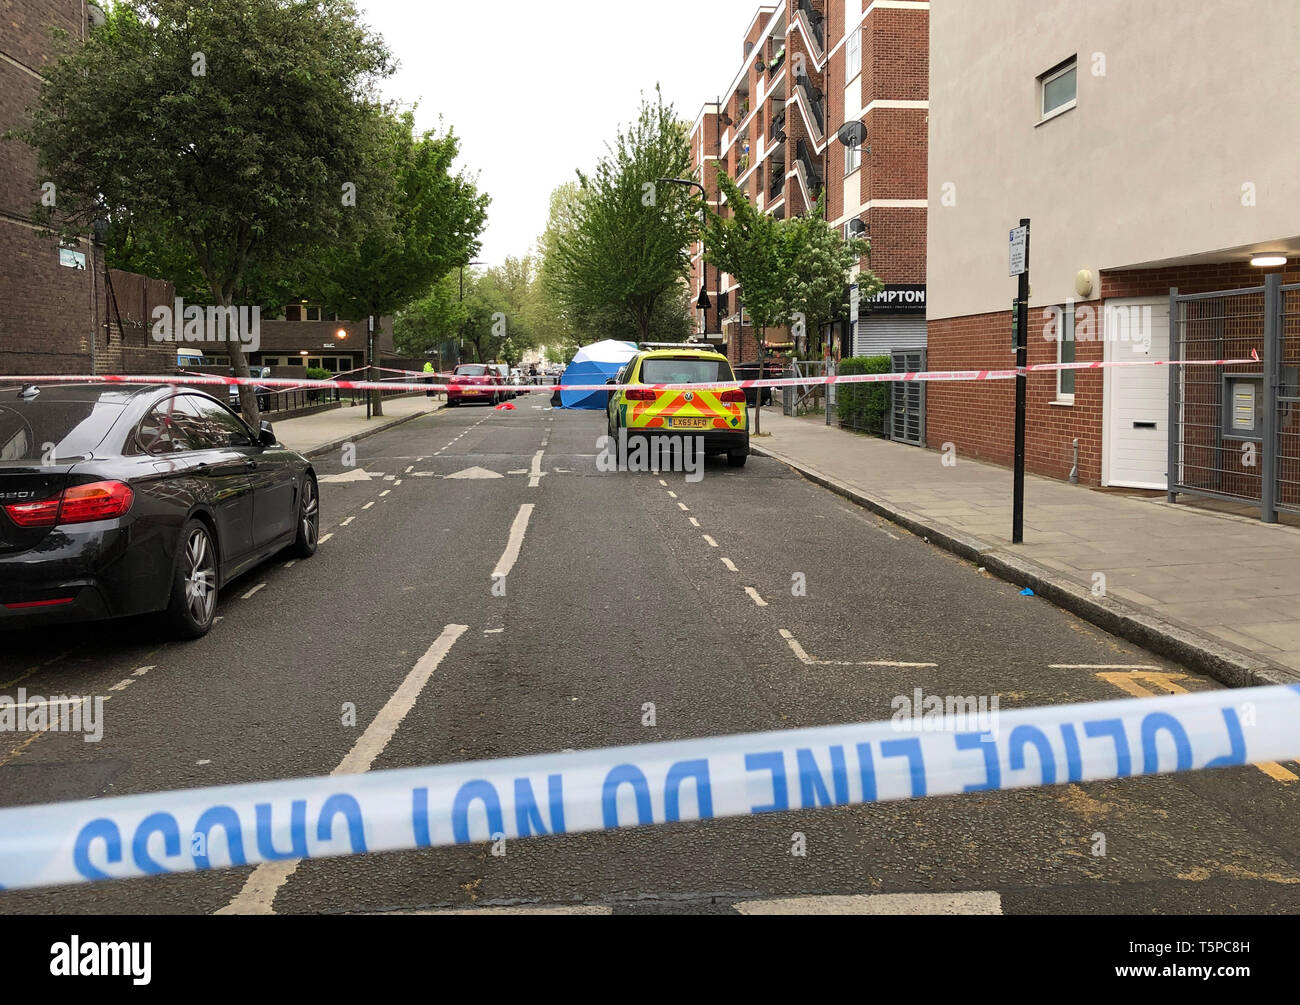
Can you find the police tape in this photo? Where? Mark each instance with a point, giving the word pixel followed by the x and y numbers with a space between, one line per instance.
pixel 690 780
pixel 426 385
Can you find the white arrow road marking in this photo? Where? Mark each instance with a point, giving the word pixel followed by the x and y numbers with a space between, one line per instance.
pixel 475 473
pixel 258 894
pixel 802 656
pixel 351 475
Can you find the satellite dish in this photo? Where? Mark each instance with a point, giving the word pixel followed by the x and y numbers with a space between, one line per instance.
pixel 852 134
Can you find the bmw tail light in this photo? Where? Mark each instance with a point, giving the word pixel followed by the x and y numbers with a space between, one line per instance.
pixel 97 501
pixel 735 394
pixel 79 504
pixel 640 394
pixel 34 514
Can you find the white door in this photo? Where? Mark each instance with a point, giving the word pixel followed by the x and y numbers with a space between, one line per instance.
pixel 1135 439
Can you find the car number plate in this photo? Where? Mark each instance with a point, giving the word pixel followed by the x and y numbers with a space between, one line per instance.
pixel 469 392
pixel 688 423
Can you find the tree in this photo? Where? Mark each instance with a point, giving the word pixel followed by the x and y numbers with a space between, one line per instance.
pixel 621 247
pixel 242 130
pixel 437 317
pixel 820 262
pixel 434 223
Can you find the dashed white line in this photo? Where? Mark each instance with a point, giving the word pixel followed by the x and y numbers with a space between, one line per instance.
pixel 536 475
pixel 255 589
pixel 347 521
pixel 712 543
pixel 694 522
pixel 368 505
pixel 517 531
pixel 682 506
pixel 730 564
pixel 411 468
pixel 384 493
pixel 672 495
pixel 753 595
pixel 325 538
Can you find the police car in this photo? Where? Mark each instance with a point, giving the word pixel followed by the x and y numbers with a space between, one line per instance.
pixel 717 414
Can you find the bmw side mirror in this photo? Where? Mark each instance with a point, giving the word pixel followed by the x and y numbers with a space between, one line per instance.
pixel 266 436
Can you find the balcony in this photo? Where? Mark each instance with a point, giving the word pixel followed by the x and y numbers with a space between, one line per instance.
pixel 812 173
pixel 815 100
pixel 815 21
pixel 777 62
pixel 777 185
pixel 777 132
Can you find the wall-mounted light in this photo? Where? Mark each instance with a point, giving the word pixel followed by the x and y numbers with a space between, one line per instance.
pixel 342 333
pixel 1268 261
pixel 303 353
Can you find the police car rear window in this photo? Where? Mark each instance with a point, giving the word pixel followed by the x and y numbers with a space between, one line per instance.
pixel 685 371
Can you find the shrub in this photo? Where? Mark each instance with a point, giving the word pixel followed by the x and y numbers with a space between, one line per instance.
pixel 863 406
pixel 317 373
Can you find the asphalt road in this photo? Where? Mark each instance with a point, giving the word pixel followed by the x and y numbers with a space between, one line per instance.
pixel 631 589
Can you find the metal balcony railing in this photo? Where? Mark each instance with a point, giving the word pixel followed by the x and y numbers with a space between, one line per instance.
pixel 778 126
pixel 777 185
pixel 814 99
pixel 815 21
pixel 812 172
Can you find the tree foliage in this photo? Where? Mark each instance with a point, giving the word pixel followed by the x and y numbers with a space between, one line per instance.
pixel 232 128
pixel 616 248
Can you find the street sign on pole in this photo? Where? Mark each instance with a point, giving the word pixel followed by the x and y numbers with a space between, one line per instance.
pixel 1018 251
pixel 1020 267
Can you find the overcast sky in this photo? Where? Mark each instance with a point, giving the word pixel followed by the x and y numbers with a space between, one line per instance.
pixel 535 89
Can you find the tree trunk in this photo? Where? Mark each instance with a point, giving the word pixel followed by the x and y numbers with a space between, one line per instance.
pixel 758 398
pixel 376 397
pixel 239 365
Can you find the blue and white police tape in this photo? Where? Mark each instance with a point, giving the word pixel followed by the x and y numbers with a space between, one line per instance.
pixel 593 790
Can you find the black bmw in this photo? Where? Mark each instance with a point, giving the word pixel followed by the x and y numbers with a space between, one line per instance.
pixel 126 499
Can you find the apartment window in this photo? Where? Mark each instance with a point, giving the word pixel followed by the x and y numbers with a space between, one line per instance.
pixel 852 159
pixel 853 56
pixel 1065 354
pixel 1058 88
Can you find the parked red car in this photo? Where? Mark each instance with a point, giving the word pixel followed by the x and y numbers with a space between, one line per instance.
pixel 475 382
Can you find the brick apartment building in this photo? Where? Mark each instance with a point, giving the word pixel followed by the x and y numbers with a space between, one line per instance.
pixel 1151 145
pixel 60 312
pixel 56 310
pixel 810 71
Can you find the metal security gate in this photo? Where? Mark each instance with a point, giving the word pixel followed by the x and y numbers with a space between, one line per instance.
pixel 907 412
pixel 1235 430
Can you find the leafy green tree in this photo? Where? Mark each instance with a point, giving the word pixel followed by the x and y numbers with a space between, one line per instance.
pixel 241 129
pixel 436 217
pixel 622 245
pixel 820 261
pixel 424 325
pixel 754 248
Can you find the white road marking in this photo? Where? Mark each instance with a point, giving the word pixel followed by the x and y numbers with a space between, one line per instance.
pixel 672 495
pixel 287 565
pixel 142 671
pixel 474 474
pixel 397 483
pixel 390 478
pixel 975 902
pixel 368 505
pixel 712 543
pixel 122 685
pixel 663 483
pixel 493 631
pixel 60 701
pixel 730 564
pixel 802 656
pixel 325 538
pixel 411 468
pixel 347 521
pixel 536 475
pixel 203 762
pixel 694 522
pixel 351 475
pixel 384 493
pixel 753 595
pixel 260 889
pixel 517 531
pixel 249 594
pixel 682 506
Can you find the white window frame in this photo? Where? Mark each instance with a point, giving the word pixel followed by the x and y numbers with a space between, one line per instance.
pixel 852 56
pixel 1065 333
pixel 852 160
pixel 1070 65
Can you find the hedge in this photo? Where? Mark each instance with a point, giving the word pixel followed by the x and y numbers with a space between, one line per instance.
pixel 863 406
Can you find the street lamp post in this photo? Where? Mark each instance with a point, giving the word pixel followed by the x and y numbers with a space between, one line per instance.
pixel 703 303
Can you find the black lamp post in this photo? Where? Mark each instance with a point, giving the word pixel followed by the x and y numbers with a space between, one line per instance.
pixel 703 303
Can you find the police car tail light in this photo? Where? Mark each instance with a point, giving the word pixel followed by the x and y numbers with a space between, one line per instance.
pixel 735 394
pixel 642 395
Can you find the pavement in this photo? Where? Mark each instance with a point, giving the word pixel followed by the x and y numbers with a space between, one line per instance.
pixel 638 607
pixel 325 431
pixel 1217 591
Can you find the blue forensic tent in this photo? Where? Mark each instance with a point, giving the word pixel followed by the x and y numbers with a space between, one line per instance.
pixel 594 364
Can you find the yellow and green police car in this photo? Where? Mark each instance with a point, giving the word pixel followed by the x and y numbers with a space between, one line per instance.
pixel 717 414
